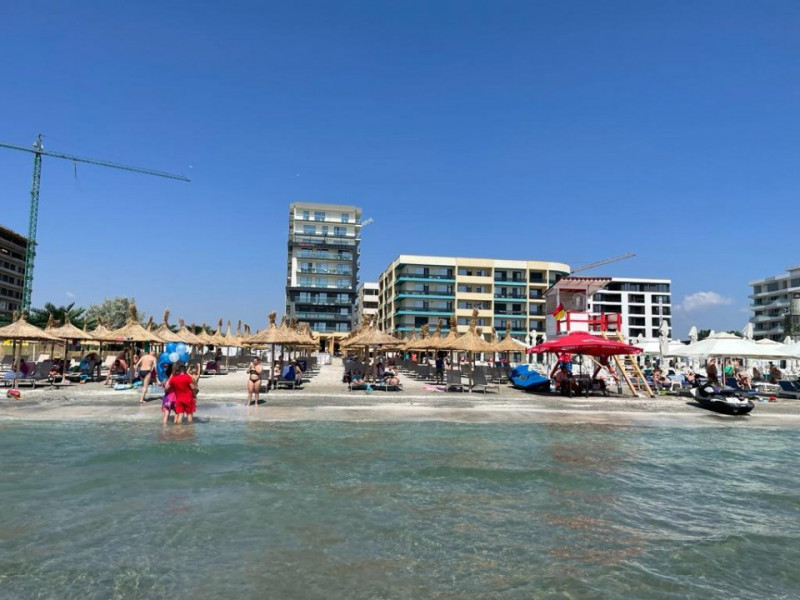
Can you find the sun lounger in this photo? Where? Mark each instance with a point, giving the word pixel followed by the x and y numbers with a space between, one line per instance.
pixel 40 374
pixel 454 381
pixel 480 383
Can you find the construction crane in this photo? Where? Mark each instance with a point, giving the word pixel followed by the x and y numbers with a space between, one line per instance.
pixel 600 263
pixel 38 151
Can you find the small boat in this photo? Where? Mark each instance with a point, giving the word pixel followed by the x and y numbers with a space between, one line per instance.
pixel 527 378
pixel 721 399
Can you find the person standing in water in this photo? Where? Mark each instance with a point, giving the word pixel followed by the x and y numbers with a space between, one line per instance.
pixel 254 380
pixel 182 385
pixel 145 367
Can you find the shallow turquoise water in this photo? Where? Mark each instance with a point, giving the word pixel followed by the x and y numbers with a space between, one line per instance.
pixel 427 510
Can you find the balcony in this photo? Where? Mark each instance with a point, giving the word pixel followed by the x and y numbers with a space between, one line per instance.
pixel 423 277
pixel 324 255
pixel 424 311
pixel 511 313
pixel 506 296
pixel 320 240
pixel 325 272
pixel 315 316
pixel 513 282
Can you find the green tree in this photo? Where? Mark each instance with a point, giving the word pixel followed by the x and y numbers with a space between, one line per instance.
pixel 703 334
pixel 113 311
pixel 40 316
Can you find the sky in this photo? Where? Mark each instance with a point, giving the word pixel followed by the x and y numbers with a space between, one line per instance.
pixel 570 131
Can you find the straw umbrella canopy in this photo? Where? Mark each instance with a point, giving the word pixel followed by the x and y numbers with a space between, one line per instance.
pixel 133 331
pixel 471 340
pixel 102 334
pixel 269 336
pixel 22 331
pixel 187 337
pixel 205 338
pixel 165 333
pixel 508 344
pixel 67 332
pixel 216 338
pixel 410 343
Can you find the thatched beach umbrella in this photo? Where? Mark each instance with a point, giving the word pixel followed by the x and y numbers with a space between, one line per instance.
pixel 471 341
pixel 67 332
pixel 133 332
pixel 204 336
pixel 22 331
pixel 187 337
pixel 271 336
pixel 165 333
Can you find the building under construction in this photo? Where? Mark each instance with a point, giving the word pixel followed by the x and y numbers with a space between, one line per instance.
pixel 12 271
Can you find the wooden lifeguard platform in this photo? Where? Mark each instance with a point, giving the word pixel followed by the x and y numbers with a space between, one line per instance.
pixel 566 303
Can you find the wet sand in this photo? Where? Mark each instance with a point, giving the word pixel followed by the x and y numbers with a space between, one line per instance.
pixel 325 398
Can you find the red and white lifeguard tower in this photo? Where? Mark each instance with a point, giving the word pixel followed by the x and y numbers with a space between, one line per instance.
pixel 566 303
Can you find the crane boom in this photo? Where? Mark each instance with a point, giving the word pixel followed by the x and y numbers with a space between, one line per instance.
pixel 94 161
pixel 38 151
pixel 605 261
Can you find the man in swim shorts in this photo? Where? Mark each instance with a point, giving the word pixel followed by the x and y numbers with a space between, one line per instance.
pixel 145 367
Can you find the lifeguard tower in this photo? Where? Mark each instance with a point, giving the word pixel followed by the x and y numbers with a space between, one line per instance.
pixel 566 303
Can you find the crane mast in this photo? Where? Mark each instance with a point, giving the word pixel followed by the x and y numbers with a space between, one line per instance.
pixel 38 151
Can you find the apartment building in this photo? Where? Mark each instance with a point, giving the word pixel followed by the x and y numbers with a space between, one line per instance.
pixel 322 266
pixel 366 302
pixel 417 290
pixel 775 304
pixel 641 303
pixel 13 247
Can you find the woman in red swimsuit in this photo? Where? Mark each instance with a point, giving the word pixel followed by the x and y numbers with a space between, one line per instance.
pixel 184 388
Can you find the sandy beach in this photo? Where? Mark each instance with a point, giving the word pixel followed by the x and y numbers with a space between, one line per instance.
pixel 325 398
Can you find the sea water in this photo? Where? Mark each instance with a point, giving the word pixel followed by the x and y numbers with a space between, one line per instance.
pixel 411 510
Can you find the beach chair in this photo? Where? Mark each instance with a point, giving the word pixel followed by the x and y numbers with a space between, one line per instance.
pixel 453 381
pixel 287 378
pixel 39 374
pixel 6 362
pixel 481 383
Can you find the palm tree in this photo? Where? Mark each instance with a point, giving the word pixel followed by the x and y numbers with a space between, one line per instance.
pixel 39 316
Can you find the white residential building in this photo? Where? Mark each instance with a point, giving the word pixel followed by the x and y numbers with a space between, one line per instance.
pixel 641 303
pixel 366 302
pixel 772 302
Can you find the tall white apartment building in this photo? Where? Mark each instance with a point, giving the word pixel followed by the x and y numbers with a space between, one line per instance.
pixel 322 266
pixel 772 305
pixel 366 302
pixel 641 303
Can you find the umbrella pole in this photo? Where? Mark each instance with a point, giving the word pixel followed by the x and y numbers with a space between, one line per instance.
pixel 14 361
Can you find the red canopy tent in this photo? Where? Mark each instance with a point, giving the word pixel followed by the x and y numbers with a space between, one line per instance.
pixel 580 342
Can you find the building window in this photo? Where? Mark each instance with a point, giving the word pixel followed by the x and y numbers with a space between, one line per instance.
pixel 306 215
pixel 340 231
pixel 345 218
pixel 309 229
pixel 319 215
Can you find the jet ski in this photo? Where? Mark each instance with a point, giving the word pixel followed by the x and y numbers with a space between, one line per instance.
pixel 721 399
pixel 527 378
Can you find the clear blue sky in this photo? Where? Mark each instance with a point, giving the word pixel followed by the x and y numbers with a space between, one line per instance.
pixel 569 131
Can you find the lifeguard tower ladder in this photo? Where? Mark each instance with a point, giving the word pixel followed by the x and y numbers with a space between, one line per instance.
pixel 566 310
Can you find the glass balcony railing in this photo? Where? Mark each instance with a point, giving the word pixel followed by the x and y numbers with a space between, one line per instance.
pixel 311 316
